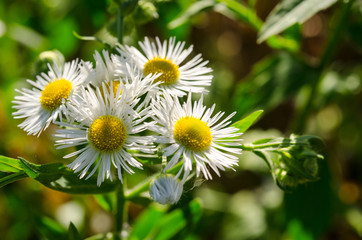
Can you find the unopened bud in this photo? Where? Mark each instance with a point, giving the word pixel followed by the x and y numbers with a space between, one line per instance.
pixel 166 189
pixel 53 57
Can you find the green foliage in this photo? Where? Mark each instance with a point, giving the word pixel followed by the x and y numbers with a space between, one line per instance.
pixel 297 159
pixel 272 81
pixel 73 233
pixel 246 122
pixel 54 175
pixel 289 12
pixel 156 223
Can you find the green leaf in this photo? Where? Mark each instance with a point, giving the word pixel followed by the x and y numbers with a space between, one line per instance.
pixel 102 236
pixel 243 13
pixel 245 123
pixel 193 10
pixel 178 219
pixel 289 12
pixel 262 141
pixel 50 228
pixel 60 178
pixel 128 6
pixel 307 199
pixel 32 170
pixel 12 178
pixel 10 165
pixel 263 156
pixel 272 81
pixel 73 233
pixel 106 201
pixel 145 223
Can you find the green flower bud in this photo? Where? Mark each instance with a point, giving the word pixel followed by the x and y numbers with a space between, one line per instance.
pixel 48 57
pixel 145 12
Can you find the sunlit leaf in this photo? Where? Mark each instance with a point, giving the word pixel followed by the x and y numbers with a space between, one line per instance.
pixel 289 12
pixel 106 201
pixel 244 13
pixel 145 223
pixel 10 164
pixel 178 219
pixel 60 178
pixel 245 123
pixel 193 10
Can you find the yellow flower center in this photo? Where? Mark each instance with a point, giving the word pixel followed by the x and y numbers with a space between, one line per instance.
pixel 192 133
pixel 53 94
pixel 107 133
pixel 169 70
pixel 115 85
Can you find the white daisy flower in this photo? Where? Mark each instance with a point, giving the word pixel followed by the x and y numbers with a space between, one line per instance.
pixel 166 189
pixel 107 129
pixel 104 71
pixel 49 98
pixel 195 136
pixel 119 72
pixel 178 76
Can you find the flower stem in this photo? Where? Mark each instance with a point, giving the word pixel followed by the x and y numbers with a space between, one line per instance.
pixel 120 24
pixel 338 28
pixel 121 210
pixel 252 147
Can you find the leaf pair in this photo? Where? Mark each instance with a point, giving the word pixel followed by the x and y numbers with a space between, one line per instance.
pixel 54 175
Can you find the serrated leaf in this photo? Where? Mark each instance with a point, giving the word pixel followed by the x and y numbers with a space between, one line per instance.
pixel 245 123
pixel 10 165
pixel 289 12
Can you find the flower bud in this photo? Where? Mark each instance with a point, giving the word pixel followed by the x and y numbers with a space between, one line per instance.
pixel 53 57
pixel 166 189
pixel 145 12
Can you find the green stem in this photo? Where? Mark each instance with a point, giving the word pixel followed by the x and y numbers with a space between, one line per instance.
pixel 121 210
pixel 252 147
pixel 329 50
pixel 120 24
pixel 143 187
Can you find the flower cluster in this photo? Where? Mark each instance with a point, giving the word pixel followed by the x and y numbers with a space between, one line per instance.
pixel 132 102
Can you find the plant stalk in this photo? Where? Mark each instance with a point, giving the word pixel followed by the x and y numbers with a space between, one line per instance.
pixel 120 24
pixel 328 52
pixel 121 210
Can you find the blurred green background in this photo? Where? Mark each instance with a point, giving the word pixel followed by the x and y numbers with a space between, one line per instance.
pixel 245 204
